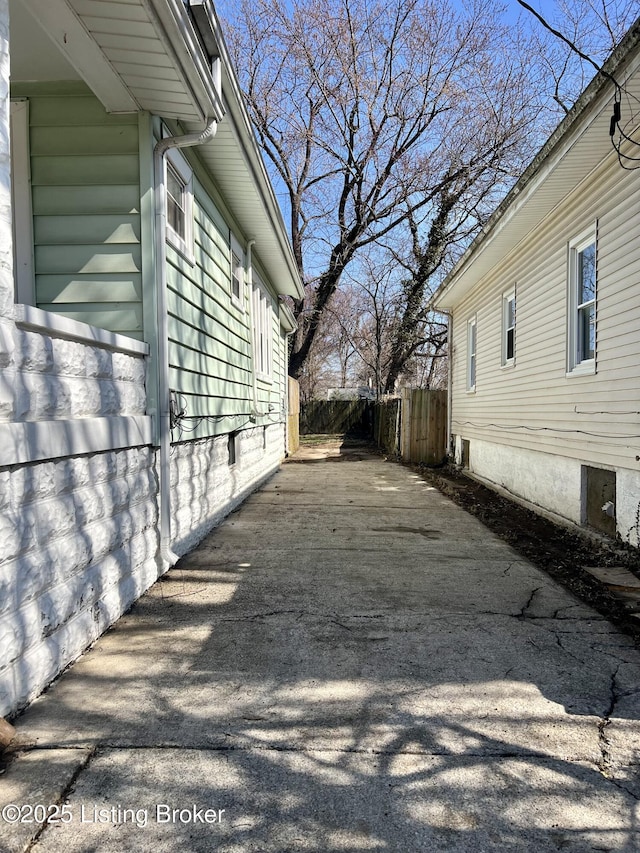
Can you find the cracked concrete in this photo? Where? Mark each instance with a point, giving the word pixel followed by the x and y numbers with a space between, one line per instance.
pixel 350 662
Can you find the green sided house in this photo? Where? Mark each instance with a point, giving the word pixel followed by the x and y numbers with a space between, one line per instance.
pixel 544 314
pixel 143 335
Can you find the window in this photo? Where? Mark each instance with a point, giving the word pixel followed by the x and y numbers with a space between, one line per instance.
pixel 471 355
pixel 508 328
pixel 582 303
pixel 232 448
pixel 179 199
pixel 237 274
pixel 262 330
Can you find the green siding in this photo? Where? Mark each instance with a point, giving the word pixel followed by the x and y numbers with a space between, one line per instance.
pixel 210 335
pixel 86 203
pixel 209 351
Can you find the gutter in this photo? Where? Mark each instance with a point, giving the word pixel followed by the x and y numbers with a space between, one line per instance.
pixel 168 557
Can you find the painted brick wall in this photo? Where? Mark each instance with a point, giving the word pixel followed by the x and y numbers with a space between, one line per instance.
pixel 205 488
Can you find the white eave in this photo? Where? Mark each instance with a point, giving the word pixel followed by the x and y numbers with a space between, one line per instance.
pixel 151 57
pixel 572 152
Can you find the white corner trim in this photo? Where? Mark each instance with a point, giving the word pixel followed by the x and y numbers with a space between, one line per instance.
pixel 34 441
pixel 29 317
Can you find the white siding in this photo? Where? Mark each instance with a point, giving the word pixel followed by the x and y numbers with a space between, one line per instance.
pixel 534 404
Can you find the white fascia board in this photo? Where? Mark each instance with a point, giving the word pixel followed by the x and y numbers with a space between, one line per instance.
pixel 57 326
pixel 68 32
pixel 248 145
pixel 178 35
pixel 35 441
pixel 287 320
pixel 250 152
pixel 597 97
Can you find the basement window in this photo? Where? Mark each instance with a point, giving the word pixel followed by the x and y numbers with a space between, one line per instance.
pixel 232 448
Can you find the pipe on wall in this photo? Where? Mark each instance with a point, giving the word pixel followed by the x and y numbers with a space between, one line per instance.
pixel 168 557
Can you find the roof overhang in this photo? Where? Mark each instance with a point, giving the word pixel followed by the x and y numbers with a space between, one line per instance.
pixel 168 57
pixel 577 146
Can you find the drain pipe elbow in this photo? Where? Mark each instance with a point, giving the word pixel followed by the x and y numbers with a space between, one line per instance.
pixel 167 555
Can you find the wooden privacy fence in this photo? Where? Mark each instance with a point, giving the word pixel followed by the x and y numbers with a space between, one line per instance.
pixel 336 417
pixel 414 426
pixel 423 433
pixel 293 420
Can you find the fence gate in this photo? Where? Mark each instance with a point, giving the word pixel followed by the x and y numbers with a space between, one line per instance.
pixel 293 420
pixel 423 436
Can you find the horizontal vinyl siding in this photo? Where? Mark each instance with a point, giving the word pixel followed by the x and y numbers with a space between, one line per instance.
pixel 209 339
pixel 534 404
pixel 86 200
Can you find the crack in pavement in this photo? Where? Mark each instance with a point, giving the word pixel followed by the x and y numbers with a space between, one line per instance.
pixel 603 741
pixel 64 795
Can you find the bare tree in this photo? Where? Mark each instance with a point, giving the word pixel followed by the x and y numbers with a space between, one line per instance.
pixel 369 113
pixel 584 32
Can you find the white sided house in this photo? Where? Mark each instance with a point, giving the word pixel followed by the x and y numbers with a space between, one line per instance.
pixel 545 319
pixel 143 340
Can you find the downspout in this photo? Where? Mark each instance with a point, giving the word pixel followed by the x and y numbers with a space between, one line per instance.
pixel 169 558
pixel 449 381
pixel 254 378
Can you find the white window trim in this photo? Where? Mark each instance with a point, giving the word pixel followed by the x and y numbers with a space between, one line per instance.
pixel 506 299
pixel 23 259
pixel 183 244
pixel 472 331
pixel 235 249
pixel 586 367
pixel 262 323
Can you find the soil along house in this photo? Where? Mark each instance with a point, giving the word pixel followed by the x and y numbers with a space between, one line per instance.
pixel 544 315
pixel 142 339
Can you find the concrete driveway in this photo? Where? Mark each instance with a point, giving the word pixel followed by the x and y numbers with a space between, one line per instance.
pixel 349 663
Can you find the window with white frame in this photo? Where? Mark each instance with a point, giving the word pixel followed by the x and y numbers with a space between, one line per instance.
pixel 471 354
pixel 179 202
pixel 582 276
pixel 262 329
pixel 237 273
pixel 508 328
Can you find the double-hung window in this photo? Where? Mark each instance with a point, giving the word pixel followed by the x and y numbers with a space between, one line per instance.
pixel 179 202
pixel 262 329
pixel 508 328
pixel 582 277
pixel 471 354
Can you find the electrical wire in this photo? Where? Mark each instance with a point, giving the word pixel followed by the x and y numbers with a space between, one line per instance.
pixel 543 429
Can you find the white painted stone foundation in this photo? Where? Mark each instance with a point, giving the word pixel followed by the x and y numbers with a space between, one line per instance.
pixel 553 483
pixel 78 545
pixel 205 488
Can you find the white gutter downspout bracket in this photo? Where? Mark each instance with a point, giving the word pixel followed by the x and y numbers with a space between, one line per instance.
pixel 168 557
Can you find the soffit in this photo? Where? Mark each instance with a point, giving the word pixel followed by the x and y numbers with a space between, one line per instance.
pixel 150 59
